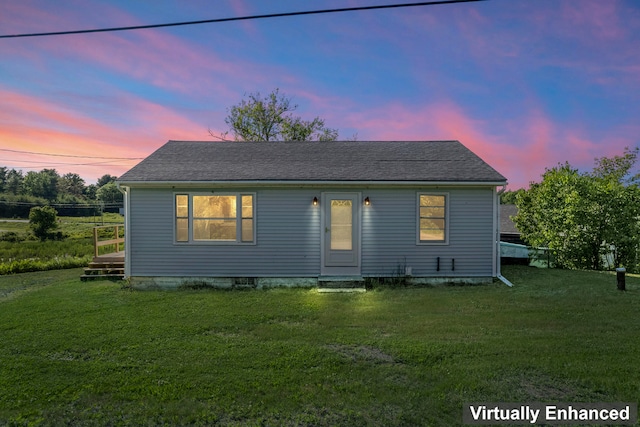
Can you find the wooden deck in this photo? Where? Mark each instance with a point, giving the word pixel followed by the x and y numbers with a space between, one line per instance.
pixel 115 257
pixel 109 265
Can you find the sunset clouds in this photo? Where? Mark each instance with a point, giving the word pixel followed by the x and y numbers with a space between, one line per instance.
pixel 523 84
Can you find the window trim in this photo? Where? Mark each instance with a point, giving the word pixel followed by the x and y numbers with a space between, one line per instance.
pixel 447 219
pixel 238 218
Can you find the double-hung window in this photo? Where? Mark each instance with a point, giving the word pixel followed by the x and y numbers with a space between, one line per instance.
pixel 226 218
pixel 433 213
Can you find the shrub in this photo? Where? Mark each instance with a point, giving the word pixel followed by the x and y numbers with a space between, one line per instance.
pixel 28 265
pixel 42 220
pixel 12 237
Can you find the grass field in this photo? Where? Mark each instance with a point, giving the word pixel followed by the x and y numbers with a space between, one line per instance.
pixel 24 253
pixel 98 353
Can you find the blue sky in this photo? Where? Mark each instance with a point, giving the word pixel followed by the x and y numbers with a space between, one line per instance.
pixel 523 83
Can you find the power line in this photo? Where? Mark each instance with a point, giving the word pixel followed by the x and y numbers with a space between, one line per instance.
pixel 79 205
pixel 106 162
pixel 70 155
pixel 238 18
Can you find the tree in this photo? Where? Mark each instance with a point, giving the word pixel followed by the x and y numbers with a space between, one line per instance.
pixel 618 168
pixel 13 183
pixel 3 178
pixel 110 195
pixel 509 197
pixel 583 217
pixel 42 220
pixel 90 191
pixel 105 179
pixel 42 184
pixel 619 193
pixel 72 183
pixel 270 119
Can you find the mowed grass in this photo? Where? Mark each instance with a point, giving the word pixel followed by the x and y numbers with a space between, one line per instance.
pixel 98 353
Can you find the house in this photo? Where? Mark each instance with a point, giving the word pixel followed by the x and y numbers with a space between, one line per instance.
pixel 296 213
pixel 513 249
pixel 508 231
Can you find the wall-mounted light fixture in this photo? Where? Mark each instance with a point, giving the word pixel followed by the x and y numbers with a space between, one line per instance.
pixel 315 201
pixel 367 202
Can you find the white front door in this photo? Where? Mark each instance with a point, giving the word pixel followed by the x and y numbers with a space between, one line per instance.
pixel 341 254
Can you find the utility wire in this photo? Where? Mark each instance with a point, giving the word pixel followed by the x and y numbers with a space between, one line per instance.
pixel 79 205
pixel 71 155
pixel 105 162
pixel 238 18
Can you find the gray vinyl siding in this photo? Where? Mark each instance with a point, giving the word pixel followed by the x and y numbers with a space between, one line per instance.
pixel 389 234
pixel 288 235
pixel 287 238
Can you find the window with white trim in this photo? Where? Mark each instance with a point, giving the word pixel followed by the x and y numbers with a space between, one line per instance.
pixel 432 218
pixel 225 218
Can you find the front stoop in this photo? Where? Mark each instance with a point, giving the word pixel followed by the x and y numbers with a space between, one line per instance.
pixel 334 284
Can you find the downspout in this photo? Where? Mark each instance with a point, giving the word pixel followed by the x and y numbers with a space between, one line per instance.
pixel 127 241
pixel 496 219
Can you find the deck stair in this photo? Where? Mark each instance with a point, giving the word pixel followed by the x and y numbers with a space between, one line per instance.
pixel 328 284
pixel 109 266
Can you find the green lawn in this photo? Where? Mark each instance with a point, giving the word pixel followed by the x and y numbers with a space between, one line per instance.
pixel 97 353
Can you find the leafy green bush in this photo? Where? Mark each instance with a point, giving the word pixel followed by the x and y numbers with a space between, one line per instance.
pixel 12 237
pixel 29 265
pixel 42 220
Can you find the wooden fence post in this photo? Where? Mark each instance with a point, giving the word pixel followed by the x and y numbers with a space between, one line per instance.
pixel 95 241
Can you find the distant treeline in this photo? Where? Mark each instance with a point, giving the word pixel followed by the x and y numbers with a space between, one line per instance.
pixel 68 193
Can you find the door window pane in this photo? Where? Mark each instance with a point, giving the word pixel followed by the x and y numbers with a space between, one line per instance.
pixel 341 225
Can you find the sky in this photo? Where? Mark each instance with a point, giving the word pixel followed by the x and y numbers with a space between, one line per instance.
pixel 525 84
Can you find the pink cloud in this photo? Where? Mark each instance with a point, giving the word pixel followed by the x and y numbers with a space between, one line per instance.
pixel 31 124
pixel 20 17
pixel 153 56
pixel 521 148
pixel 593 18
pixel 241 8
pixel 567 35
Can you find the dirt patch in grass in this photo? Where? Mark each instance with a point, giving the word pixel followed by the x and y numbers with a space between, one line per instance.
pixel 546 388
pixel 362 353
pixel 536 386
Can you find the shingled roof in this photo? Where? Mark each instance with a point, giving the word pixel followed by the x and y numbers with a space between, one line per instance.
pixel 379 161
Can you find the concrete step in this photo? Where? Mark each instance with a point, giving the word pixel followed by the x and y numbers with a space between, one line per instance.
pixel 329 284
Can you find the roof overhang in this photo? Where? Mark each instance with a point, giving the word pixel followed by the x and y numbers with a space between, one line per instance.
pixel 280 183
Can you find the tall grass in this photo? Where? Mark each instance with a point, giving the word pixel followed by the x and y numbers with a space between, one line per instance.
pixel 96 353
pixel 25 256
pixel 22 253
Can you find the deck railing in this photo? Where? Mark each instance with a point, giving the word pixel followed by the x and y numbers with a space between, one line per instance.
pixel 112 239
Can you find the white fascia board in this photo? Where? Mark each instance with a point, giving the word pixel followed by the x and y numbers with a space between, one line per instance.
pixel 276 183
